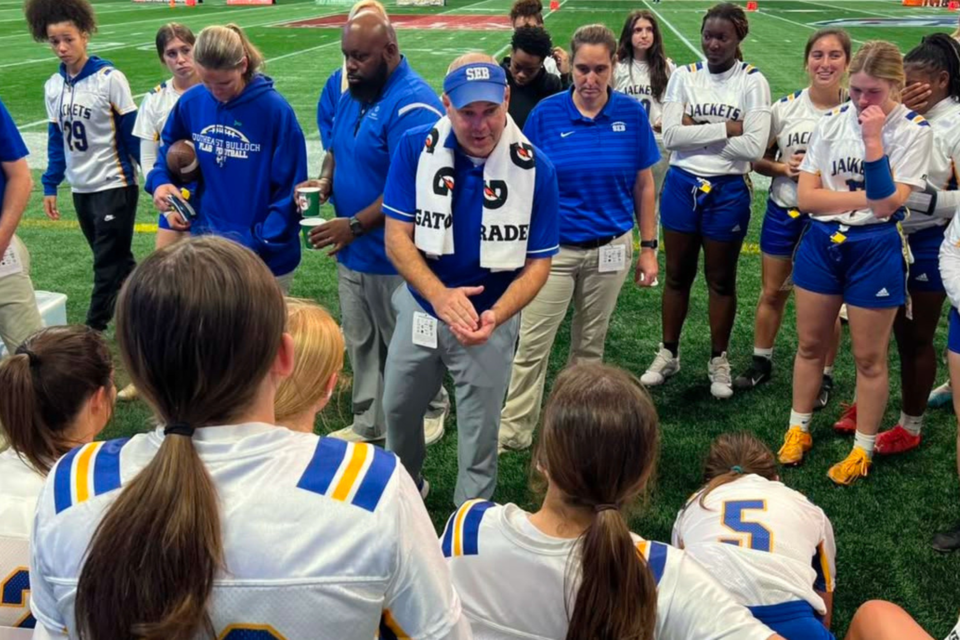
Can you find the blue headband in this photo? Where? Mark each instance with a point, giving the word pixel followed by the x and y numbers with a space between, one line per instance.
pixel 475 82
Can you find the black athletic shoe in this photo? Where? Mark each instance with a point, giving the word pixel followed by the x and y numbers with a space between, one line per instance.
pixel 826 386
pixel 759 372
pixel 948 540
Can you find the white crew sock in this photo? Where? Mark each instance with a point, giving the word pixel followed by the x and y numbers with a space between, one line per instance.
pixel 801 420
pixel 763 353
pixel 911 423
pixel 865 442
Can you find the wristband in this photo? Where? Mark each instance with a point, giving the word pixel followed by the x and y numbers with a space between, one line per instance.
pixel 879 179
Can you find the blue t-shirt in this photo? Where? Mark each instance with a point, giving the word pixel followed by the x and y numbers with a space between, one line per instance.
pixel 364 138
pixel 462 268
pixel 12 147
pixel 597 161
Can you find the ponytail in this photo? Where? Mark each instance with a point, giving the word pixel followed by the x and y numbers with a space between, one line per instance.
pixel 733 455
pixel 152 561
pixel 617 596
pixel 255 59
pixel 604 411
pixel 43 387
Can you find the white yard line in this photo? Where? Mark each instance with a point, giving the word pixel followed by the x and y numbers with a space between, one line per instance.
pixel 794 22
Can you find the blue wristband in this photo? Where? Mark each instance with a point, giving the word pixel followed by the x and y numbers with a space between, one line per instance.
pixel 879 179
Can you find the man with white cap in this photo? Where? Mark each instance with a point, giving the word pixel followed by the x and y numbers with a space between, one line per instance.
pixel 471 225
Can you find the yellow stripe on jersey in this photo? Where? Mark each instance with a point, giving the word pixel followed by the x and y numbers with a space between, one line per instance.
pixel 116 145
pixel 350 474
pixel 250 632
pixel 458 526
pixel 825 568
pixel 82 480
pixel 390 629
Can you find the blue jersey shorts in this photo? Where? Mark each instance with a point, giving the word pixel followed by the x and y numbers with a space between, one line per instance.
pixel 717 208
pixel 781 230
pixel 792 620
pixel 953 338
pixel 925 271
pixel 866 265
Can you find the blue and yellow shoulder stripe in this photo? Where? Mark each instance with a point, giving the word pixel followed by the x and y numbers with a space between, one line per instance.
pixel 693 68
pixel 462 535
pixel 821 564
pixel 656 555
pixel 791 97
pixel 749 68
pixel 160 87
pixel 87 471
pixel 354 473
pixel 913 116
pixel 838 110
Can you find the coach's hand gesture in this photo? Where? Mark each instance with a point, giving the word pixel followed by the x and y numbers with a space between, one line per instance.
pixel 50 207
pixel 453 306
pixel 647 268
pixel 488 322
pixel 334 233
pixel 324 184
pixel 161 201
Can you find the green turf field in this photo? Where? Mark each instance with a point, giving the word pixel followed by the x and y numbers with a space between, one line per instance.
pixel 883 524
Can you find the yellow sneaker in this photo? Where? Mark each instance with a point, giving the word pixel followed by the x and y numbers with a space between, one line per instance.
pixel 796 443
pixel 855 465
pixel 127 394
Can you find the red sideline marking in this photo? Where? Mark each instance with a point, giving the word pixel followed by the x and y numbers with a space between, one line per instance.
pixel 445 22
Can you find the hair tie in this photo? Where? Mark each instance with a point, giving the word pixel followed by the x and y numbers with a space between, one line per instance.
pixel 600 508
pixel 34 358
pixel 179 429
pixel 737 469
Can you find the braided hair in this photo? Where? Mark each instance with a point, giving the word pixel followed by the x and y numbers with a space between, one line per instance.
pixel 936 53
pixel 733 14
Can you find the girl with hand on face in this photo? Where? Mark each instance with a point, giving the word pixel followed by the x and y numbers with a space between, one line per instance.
pixel 91 142
pixel 250 149
pixel 175 48
pixel 716 121
pixel 598 210
pixel 642 71
pixel 826 57
pixel 863 161
pixel 56 393
pixel 933 68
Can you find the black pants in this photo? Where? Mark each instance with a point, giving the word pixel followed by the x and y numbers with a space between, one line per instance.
pixel 107 219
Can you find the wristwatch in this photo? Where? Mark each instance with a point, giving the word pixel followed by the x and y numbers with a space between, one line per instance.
pixel 649 244
pixel 356 226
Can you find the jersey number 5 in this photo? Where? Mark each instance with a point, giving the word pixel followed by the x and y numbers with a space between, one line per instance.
pixel 755 535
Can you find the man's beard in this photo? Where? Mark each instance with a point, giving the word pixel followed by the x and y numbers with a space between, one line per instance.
pixel 368 89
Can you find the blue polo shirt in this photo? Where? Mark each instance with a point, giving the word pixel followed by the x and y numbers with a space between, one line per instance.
pixel 597 160
pixel 462 268
pixel 364 139
pixel 12 147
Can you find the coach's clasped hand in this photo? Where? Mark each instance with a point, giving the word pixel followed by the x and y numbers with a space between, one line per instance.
pixel 161 202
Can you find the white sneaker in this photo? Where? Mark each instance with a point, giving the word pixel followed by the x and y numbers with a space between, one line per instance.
pixel 433 426
pixel 721 380
pixel 663 366
pixel 348 434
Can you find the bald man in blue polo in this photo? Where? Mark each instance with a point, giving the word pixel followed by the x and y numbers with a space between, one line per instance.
pixel 471 226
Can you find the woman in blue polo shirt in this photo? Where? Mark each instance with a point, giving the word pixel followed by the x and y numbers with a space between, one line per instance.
pixel 597 212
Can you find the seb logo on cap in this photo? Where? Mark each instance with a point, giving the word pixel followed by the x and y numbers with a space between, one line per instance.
pixel 478 73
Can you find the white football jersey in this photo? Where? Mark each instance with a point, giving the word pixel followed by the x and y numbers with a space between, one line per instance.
pixel 153 112
pixel 954 633
pixel 87 111
pixel 765 542
pixel 323 539
pixel 18 505
pixel 836 151
pixel 715 98
pixel 942 172
pixel 793 119
pixel 633 79
pixel 511 577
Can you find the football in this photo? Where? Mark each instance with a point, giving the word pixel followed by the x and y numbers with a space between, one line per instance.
pixel 182 162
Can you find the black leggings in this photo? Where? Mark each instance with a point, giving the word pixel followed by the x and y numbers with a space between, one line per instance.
pixel 720 269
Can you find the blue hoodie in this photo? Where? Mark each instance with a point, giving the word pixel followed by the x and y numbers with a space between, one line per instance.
pixel 252 154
